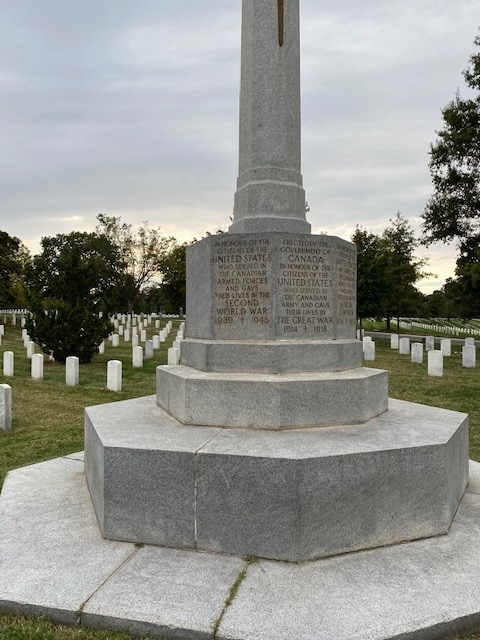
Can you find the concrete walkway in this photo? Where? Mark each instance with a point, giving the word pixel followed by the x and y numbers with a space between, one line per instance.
pixel 54 562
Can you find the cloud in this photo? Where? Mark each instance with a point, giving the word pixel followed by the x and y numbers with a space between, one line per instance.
pixel 131 108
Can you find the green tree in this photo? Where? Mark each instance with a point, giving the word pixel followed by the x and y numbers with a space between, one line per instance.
pixel 373 284
pixel 68 283
pixel 403 269
pixel 453 211
pixel 13 257
pixel 173 286
pixel 139 256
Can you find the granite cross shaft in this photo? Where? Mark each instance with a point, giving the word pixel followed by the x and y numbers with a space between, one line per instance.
pixel 270 195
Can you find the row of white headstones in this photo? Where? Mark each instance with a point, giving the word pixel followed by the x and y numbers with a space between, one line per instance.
pixel 416 351
pixel 72 365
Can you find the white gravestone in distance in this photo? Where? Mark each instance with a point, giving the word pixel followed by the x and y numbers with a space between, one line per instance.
pixel 173 357
pixel 114 375
pixel 429 343
pixel 404 346
pixel 135 340
pixel 8 363
pixel 5 407
pixel 369 350
pixel 72 371
pixel 446 346
pixel 417 353
pixel 148 349
pixel 394 341
pixel 30 349
pixel 469 356
pixel 37 366
pixel 137 357
pixel 435 363
pixel 101 347
pixel 469 342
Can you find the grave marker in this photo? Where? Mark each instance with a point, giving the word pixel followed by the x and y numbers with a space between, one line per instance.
pixel 72 371
pixel 5 407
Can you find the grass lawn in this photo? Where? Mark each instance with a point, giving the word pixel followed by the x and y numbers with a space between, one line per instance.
pixel 48 422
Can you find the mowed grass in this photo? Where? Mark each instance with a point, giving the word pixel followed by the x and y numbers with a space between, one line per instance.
pixel 48 422
pixel 458 389
pixel 48 415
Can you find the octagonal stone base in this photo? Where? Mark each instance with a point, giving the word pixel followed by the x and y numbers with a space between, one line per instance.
pixel 272 401
pixel 290 495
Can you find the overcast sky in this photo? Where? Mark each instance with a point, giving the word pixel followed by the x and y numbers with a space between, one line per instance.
pixel 130 108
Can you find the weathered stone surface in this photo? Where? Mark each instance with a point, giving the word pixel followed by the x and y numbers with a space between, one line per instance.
pixel 140 468
pixel 271 401
pixel 292 495
pixel 52 557
pixel 469 356
pixel 271 356
pixel 270 195
pixel 176 594
pixel 435 363
pixel 417 352
pixel 271 286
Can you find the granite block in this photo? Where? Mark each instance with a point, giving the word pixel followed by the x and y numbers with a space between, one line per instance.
pixel 291 495
pixel 271 401
pixel 271 356
pixel 140 469
pixel 282 286
pixel 167 592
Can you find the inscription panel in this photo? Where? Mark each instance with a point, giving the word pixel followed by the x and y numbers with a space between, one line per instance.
pixel 305 303
pixel 284 286
pixel 241 270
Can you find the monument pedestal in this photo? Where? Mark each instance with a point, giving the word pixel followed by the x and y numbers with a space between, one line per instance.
pixel 292 495
pixel 270 439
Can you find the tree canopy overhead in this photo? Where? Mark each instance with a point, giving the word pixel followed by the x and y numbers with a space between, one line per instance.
pixel 453 211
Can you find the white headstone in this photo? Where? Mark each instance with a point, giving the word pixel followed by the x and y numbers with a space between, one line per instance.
pixel 135 340
pixel 8 363
pixel 156 342
pixel 37 366
pixel 173 357
pixel 469 342
pixel 5 407
pixel 177 344
pixel 446 346
pixel 101 347
pixel 404 346
pixel 114 375
pixel 417 352
pixel 143 335
pixel 121 330
pixel 148 349
pixel 126 335
pixel 163 335
pixel 30 349
pixel 115 340
pixel 429 343
pixel 157 324
pixel 369 350
pixel 2 330
pixel 394 341
pixel 137 357
pixel 72 371
pixel 469 356
pixel 435 363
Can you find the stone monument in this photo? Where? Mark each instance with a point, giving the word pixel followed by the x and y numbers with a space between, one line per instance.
pixel 270 438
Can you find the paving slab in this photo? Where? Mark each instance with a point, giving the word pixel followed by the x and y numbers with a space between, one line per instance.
pixel 52 557
pixel 54 562
pixel 177 594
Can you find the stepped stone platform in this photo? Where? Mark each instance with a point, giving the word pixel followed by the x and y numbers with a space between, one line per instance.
pixel 290 495
pixel 54 562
